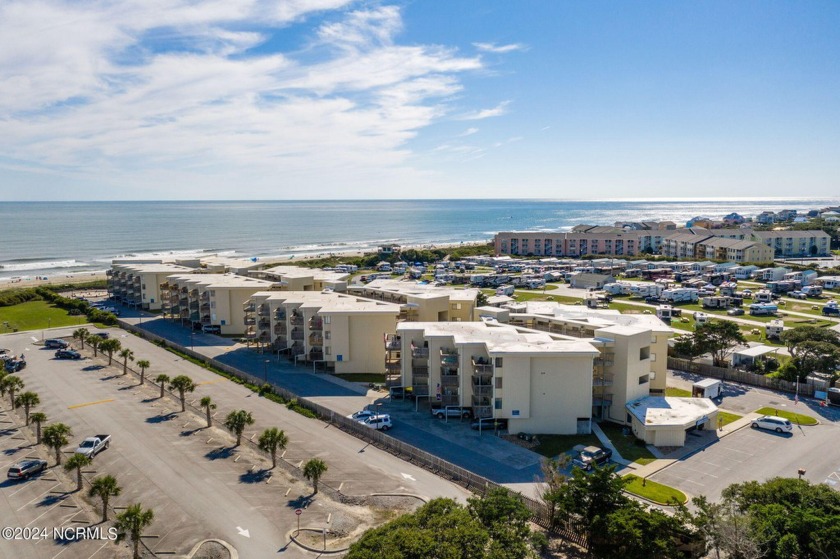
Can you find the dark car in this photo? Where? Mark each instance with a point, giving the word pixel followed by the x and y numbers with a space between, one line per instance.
pixel 27 468
pixel 592 456
pixel 15 365
pixel 490 424
pixel 735 312
pixel 67 354
pixel 56 344
pixel 103 335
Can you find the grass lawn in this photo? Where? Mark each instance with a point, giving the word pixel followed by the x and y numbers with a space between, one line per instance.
pixel 35 315
pixel 797 418
pixel 727 417
pixel 677 392
pixel 554 445
pixel 626 444
pixel 656 492
pixel 362 377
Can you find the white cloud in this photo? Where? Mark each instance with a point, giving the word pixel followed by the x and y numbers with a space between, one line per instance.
pixel 468 132
pixel 134 92
pixel 499 49
pixel 498 110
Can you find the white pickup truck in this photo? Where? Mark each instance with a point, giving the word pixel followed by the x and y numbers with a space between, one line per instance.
pixel 92 446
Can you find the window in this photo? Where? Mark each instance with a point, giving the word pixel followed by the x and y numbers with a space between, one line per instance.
pixel 644 379
pixel 652 357
pixel 644 353
pixel 499 362
pixel 212 293
pixel 497 404
pixel 327 319
pixel 327 350
pixel 653 339
pixel 498 383
pixel 327 334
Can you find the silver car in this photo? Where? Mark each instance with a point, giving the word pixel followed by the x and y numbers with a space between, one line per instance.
pixel 773 423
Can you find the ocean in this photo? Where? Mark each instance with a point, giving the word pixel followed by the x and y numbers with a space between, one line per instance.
pixel 52 238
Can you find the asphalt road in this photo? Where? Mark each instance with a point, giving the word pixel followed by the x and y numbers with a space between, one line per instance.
pixel 201 490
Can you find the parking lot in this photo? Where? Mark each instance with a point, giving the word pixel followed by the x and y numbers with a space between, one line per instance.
pixel 198 484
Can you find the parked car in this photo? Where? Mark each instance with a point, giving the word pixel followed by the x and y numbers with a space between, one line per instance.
pixel 362 415
pixel 798 295
pixel 379 422
pixel 735 312
pixel 103 335
pixel 56 344
pixel 490 424
pixel 67 354
pixel 92 446
pixel 592 456
pixel 773 423
pixel 16 364
pixel 452 411
pixel 211 329
pixel 26 469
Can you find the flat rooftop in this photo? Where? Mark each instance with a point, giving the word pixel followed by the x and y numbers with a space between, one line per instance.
pixel 653 411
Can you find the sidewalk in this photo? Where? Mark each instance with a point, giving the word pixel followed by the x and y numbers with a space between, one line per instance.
pixel 616 456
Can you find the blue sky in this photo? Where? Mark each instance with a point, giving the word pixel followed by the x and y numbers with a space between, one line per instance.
pixel 311 99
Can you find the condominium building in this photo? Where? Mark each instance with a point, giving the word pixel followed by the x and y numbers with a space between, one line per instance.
pixel 200 300
pixel 788 244
pixel 341 332
pixel 539 383
pixel 584 240
pixel 421 302
pixel 298 278
pixel 137 284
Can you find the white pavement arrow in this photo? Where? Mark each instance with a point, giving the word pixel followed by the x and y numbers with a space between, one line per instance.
pixel 242 532
pixel 408 476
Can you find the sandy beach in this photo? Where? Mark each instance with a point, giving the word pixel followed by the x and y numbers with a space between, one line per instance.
pixel 56 279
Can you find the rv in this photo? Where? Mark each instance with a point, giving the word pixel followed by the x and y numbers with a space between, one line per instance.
pixel 763 309
pixel 700 318
pixel 774 329
pixel 716 303
pixel 505 290
pixel 664 313
pixel 762 296
pixel 812 290
pixel 680 295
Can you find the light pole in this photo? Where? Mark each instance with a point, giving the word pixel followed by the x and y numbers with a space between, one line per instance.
pixel 192 343
pixel 265 371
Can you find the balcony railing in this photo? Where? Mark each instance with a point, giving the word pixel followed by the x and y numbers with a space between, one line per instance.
pixel 264 324
pixel 195 316
pixel 602 400
pixel 205 296
pixel 250 320
pixel 280 314
pixel 603 380
pixel 419 352
pixel 393 365
pixel 420 389
pixel 450 400
pixel 449 361
pixel 280 328
pixel 449 380
pixel 297 334
pixel 249 306
pixel 194 305
pixel 316 355
pixel 482 411
pixel 393 342
pixel 316 339
pixel 482 380
pixel 205 319
pixel 297 320
pixel 482 390
pixel 251 332
pixel 205 307
pixel 264 310
pixel 316 323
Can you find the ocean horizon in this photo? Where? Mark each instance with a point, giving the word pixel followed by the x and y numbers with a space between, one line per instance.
pixel 51 238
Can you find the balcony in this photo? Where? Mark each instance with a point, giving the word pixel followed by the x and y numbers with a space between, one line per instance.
pixel 185 312
pixel 482 367
pixel 249 306
pixel 175 309
pixel 264 310
pixel 420 389
pixel 280 314
pixel 482 390
pixel 393 365
pixel 250 320
pixel 603 380
pixel 448 359
pixel 205 307
pixel 419 352
pixel 205 296
pixel 602 400
pixel 297 319
pixel 393 342
pixel 450 400
pixel 205 319
pixel 297 334
pixel 605 360
pixel 195 316
pixel 251 333
pixel 280 328
pixel 194 305
pixel 316 323
pixel 264 324
pixel 296 349
pixel 316 355
pixel 316 339
pixel 449 380
pixel 193 293
pixel 481 411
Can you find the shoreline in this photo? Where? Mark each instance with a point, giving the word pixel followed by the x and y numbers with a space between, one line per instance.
pixel 25 281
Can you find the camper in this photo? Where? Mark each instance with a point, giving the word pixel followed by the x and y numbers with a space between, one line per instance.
pixel 812 290
pixel 680 295
pixel 505 290
pixel 763 296
pixel 763 309
pixel 647 290
pixel 618 288
pixel 664 313
pixel 700 318
pixel 774 329
pixel 597 301
pixel 716 303
pixel 707 388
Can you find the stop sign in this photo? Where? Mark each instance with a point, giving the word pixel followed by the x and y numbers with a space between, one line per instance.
pixel 298 512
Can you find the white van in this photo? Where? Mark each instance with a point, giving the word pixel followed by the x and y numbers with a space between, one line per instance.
pixel 773 423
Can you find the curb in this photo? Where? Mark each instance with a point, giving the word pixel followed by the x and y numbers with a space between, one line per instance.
pixel 233 553
pixel 292 533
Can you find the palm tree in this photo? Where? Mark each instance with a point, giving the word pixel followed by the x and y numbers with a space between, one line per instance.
pixel 55 436
pixel 131 523
pixel 313 470
pixel 27 400
pixel 143 364
pixel 38 418
pixel 208 405
pixel 236 422
pixel 110 346
pixel 183 384
pixel 127 355
pixel 77 462
pixel 162 380
pixel 104 487
pixel 82 335
pixel 11 384
pixel 95 342
pixel 271 441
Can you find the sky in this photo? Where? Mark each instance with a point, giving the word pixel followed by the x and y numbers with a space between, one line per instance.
pixel 341 99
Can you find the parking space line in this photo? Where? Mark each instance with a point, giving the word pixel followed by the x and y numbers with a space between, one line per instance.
pixel 89 404
pixel 38 497
pixel 95 552
pixel 43 513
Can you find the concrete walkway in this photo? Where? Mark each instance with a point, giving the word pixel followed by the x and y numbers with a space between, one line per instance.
pixel 616 456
